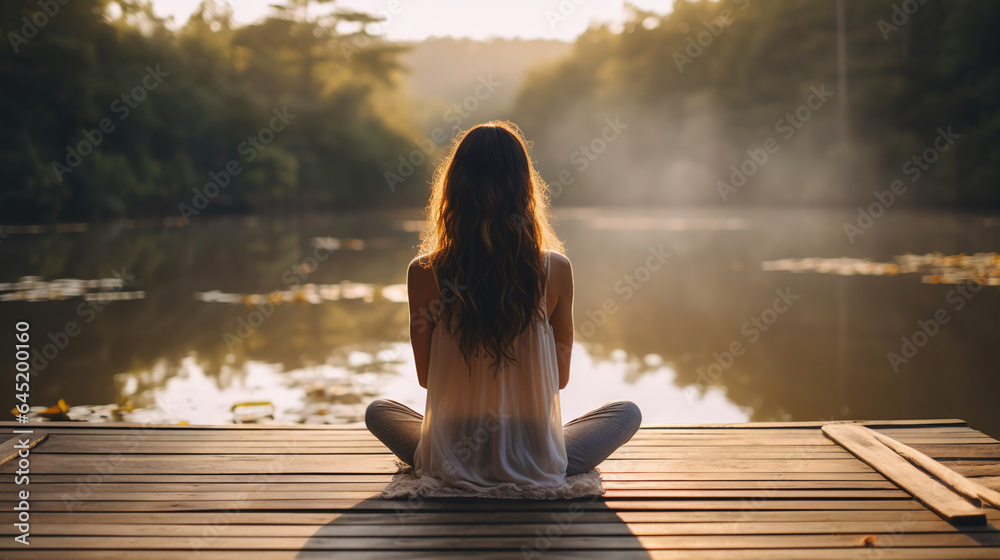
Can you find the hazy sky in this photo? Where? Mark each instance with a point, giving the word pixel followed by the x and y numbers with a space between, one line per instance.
pixel 479 19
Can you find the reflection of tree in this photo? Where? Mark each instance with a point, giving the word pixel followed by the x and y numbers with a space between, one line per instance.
pixel 170 265
pixel 695 306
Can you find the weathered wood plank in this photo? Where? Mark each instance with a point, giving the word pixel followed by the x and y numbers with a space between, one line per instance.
pixel 890 518
pixel 929 491
pixel 989 451
pixel 989 481
pixel 93 480
pixel 10 448
pixel 522 505
pixel 72 446
pixel 181 494
pixel 896 553
pixel 974 491
pixel 516 543
pixel 973 468
pixel 939 422
pixel 293 463
pixel 90 492
pixel 498 529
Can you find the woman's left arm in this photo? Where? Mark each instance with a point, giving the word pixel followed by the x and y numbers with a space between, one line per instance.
pixel 421 292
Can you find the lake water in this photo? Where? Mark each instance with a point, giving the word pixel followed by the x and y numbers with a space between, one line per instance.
pixel 696 315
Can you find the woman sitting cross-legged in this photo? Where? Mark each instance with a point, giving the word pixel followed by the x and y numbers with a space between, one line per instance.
pixel 491 325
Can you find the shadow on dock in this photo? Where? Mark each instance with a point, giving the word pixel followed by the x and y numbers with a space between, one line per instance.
pixel 472 527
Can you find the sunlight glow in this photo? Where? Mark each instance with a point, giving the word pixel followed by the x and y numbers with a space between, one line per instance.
pixel 415 20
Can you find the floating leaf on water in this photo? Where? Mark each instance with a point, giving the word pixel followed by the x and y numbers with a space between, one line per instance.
pixel 249 412
pixel 57 411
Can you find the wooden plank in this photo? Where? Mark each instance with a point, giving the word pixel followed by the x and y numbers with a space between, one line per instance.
pixel 58 446
pixel 500 505
pixel 250 427
pixel 10 448
pixel 207 495
pixel 957 452
pixel 365 436
pixel 516 543
pixel 648 439
pixel 897 553
pixel 937 497
pixel 70 463
pixel 113 430
pixel 293 463
pixel 277 485
pixel 482 530
pixel 193 427
pixel 989 481
pixel 891 518
pixel 189 477
pixel 978 493
pixel 749 452
pixel 973 468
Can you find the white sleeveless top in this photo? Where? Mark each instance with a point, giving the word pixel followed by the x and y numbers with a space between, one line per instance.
pixel 494 435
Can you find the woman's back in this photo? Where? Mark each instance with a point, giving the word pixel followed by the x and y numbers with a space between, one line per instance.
pixel 486 350
pixel 486 426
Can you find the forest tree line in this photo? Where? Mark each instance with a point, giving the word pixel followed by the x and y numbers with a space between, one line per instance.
pixel 109 112
pixel 739 102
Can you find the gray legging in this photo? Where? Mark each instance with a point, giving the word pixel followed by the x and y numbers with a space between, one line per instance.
pixel 590 438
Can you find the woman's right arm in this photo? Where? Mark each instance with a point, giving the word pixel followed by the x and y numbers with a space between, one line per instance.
pixel 562 316
pixel 421 290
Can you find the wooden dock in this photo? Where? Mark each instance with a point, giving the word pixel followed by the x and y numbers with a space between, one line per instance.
pixel 776 490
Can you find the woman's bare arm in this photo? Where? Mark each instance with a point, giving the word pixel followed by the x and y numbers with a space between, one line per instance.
pixel 422 293
pixel 561 319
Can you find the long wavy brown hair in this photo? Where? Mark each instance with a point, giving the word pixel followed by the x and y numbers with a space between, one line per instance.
pixel 488 228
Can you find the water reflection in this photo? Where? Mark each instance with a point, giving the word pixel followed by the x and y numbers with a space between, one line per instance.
pixel 336 336
pixel 33 288
pixel 313 293
pixel 935 268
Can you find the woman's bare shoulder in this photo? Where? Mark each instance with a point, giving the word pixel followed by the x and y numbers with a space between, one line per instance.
pixel 419 270
pixel 560 269
pixel 560 261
